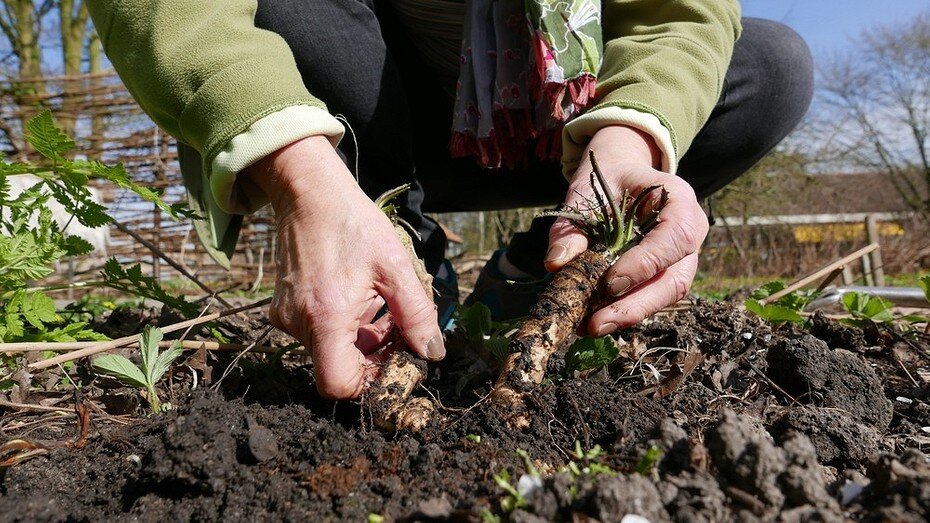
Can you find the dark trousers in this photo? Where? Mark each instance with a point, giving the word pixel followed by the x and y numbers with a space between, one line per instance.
pixel 356 57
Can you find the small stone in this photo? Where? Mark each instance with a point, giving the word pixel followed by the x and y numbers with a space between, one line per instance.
pixel 746 336
pixel 850 491
pixel 902 399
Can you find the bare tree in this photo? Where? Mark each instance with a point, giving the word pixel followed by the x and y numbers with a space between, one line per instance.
pixel 879 95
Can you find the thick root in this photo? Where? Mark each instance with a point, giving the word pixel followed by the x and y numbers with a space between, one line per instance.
pixel 551 327
pixel 392 407
pixel 389 400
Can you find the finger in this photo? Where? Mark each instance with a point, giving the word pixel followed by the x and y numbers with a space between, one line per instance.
pixel 373 336
pixel 680 232
pixel 565 242
pixel 339 367
pixel 666 288
pixel 413 311
pixel 372 310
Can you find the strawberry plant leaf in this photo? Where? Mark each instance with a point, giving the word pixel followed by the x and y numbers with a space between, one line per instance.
pixel 120 368
pixel 165 359
pixel 46 138
pixel 474 320
pixel 866 307
pixel 590 353
pixel 148 346
pixel 498 346
pixel 773 313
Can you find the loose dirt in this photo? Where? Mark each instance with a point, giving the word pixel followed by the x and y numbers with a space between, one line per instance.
pixel 770 424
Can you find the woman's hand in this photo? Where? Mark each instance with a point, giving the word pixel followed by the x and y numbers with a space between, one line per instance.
pixel 659 271
pixel 338 262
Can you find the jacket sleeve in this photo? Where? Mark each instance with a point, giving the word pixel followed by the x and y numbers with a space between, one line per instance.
pixel 663 68
pixel 204 73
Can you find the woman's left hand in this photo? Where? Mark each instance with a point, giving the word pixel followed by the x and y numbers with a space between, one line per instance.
pixel 659 271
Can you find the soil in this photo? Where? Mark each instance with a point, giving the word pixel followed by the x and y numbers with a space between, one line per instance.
pixel 752 422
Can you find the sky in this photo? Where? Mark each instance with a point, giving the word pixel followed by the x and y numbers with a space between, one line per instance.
pixel 829 25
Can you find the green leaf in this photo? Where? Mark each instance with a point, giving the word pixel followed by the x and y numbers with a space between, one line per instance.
pixel 773 313
pixel 868 307
pixel 767 290
pixel 148 346
pixel 120 368
pixel 165 359
pixel 46 138
pixel 795 301
pixel 925 285
pixel 132 281
pixel 649 461
pixel 498 346
pixel 590 353
pixel 76 246
pixel 474 320
pixel 39 309
pixel 76 331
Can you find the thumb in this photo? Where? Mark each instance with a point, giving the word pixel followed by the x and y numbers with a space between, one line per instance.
pixel 414 312
pixel 565 242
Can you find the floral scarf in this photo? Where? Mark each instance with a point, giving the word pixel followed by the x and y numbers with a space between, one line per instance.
pixel 527 68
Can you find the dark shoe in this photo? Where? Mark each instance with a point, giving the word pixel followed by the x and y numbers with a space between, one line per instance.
pixel 507 298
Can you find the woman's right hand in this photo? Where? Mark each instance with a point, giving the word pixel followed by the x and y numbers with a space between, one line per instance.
pixel 338 262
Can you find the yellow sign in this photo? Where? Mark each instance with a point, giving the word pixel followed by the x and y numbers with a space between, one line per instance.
pixel 840 232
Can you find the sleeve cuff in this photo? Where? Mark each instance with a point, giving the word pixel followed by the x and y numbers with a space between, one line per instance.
pixel 262 138
pixel 578 132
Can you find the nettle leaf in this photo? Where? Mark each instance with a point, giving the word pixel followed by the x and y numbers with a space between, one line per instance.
pixel 120 368
pixel 46 138
pixel 165 359
pixel 773 313
pixel 590 353
pixel 148 346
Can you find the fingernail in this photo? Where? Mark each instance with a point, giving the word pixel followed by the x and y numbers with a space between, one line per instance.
pixel 556 253
pixel 435 350
pixel 606 329
pixel 619 285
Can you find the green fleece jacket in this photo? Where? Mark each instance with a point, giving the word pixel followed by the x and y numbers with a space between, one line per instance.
pixel 218 84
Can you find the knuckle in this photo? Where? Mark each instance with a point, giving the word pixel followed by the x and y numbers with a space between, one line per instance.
pixel 421 311
pixel 649 264
pixel 687 237
pixel 637 312
pixel 681 285
pixel 336 389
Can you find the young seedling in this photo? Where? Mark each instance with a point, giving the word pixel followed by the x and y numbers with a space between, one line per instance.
pixel 154 365
pixel 788 308
pixel 388 397
pixel 613 225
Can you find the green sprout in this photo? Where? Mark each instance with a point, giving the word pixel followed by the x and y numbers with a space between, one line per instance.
pixel 616 226
pixel 154 365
